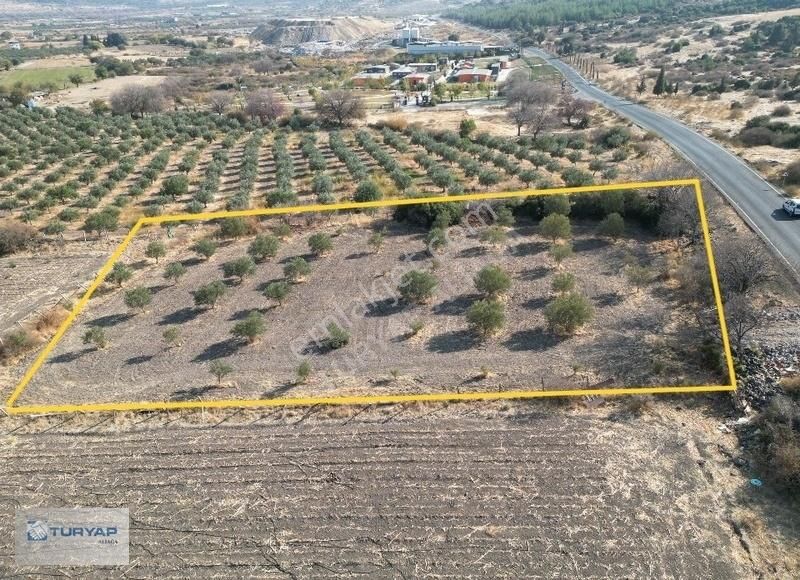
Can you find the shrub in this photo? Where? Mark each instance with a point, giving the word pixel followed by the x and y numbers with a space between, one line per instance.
pixel 415 327
pixel 277 291
pixel 574 177
pixel 209 294
pixel 263 247
pixel 555 226
pixel 95 336
pixel 320 243
pixel 235 227
pixel 220 370
pixel 172 336
pixel 367 190
pixel 504 216
pixel 376 241
pixel 417 287
pixel 560 252
pixel 492 281
pixel 250 328
pixel 239 268
pixel 138 298
pixel 792 174
pixel 156 250
pixel 205 248
pixel 297 269
pixel 612 226
pixel 568 312
pixel 638 276
pixel 782 111
pixel 494 235
pixel 556 204
pixel 303 371
pixel 486 317
pixel 119 274
pixel 563 282
pixel 337 337
pixel 14 237
pixel 755 136
pixel 436 239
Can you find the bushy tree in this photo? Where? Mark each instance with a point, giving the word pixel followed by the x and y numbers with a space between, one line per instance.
pixel 555 226
pixel 263 246
pixel 436 239
pixel 209 294
pixel 297 269
pixel 340 107
pixel 220 370
pixel 320 243
pixel 172 336
pixel 96 336
pixel 119 274
pixel 205 248
pixel 156 250
pixel 277 291
pixel 251 327
pixel 367 190
pixel 560 252
pixel 567 313
pixel 239 268
pixel 493 235
pixel 492 281
pixel 174 271
pixel 376 241
pixel 138 298
pixel 563 282
pixel 337 337
pixel 417 287
pixel 612 226
pixel 486 317
pixel 175 186
pixel 556 204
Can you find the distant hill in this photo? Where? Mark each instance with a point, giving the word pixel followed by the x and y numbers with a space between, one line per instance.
pixel 289 32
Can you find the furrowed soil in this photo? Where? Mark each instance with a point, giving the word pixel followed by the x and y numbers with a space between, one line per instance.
pixel 533 491
pixel 636 338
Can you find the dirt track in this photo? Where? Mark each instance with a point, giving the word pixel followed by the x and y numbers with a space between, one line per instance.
pixel 522 491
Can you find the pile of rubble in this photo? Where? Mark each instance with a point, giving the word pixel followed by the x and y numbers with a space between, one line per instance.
pixel 760 369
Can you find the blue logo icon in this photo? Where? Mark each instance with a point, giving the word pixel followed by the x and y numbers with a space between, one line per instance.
pixel 36 531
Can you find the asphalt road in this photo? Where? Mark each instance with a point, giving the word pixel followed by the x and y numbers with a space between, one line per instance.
pixel 757 201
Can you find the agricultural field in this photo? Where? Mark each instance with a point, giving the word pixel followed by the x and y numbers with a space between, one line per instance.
pixel 41 78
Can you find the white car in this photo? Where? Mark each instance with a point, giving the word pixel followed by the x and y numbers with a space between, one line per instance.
pixel 792 207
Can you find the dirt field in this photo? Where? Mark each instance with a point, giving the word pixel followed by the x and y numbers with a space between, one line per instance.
pixel 632 332
pixel 532 491
pixel 80 97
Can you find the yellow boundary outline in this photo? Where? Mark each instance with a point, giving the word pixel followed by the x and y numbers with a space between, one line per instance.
pixel 12 409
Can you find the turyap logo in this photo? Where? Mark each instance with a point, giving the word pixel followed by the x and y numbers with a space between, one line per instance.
pixel 36 531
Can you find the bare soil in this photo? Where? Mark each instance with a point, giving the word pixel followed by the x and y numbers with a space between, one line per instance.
pixel 632 332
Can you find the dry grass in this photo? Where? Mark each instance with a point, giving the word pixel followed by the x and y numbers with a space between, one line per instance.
pixel 791 385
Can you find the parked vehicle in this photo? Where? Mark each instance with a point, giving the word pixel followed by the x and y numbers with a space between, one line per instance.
pixel 792 207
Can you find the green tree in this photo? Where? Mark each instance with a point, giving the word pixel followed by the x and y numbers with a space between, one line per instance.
pixel 156 250
pixel 320 243
pixel 282 231
pixel 337 337
pixel 486 317
pixel 494 236
pixel 119 274
pixel 175 186
pixel 492 281
pixel 560 252
pixel 297 269
pixel 436 239
pixel 568 312
pixel 263 247
pixel 277 291
pixel 555 227
pixel 239 268
pixel 234 227
pixel 220 370
pixel 367 190
pixel 556 204
pixel 504 216
pixel 209 294
pixel 205 248
pixel 303 372
pixel 174 271
pixel 96 336
pixel 250 328
pixel 661 85
pixel 466 127
pixel 612 226
pixel 172 336
pixel 76 79
pixel 376 241
pixel 138 298
pixel 563 282
pixel 417 287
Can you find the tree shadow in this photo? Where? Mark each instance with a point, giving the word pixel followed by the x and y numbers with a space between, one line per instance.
pixel 244 312
pixel 357 256
pixel 609 299
pixel 528 249
pixel 535 340
pixel 457 305
pixel 69 357
pixel 536 273
pixel 218 350
pixel 384 307
pixel 279 390
pixel 137 360
pixel 189 262
pixel 454 341
pixel 589 244
pixel 192 393
pixel 111 320
pixel 473 252
pixel 180 316
pixel 536 303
